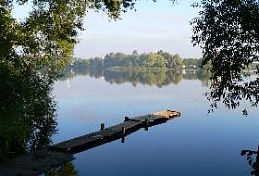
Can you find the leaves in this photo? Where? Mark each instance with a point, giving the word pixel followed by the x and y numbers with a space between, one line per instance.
pixel 27 111
pixel 228 33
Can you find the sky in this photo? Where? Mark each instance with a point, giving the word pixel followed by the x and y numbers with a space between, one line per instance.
pixel 153 27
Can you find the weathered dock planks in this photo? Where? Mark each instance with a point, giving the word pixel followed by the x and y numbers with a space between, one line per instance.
pixel 112 133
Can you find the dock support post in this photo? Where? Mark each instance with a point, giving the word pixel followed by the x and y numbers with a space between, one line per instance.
pixel 146 125
pixel 123 140
pixel 102 126
pixel 123 130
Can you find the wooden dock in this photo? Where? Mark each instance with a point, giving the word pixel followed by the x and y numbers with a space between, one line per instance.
pixel 112 133
pixel 56 155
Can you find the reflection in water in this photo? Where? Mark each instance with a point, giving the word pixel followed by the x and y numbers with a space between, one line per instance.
pixel 27 115
pixel 234 91
pixel 231 91
pixel 67 169
pixel 159 78
pixel 253 160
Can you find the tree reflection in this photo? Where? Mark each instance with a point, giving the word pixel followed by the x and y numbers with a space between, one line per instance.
pixel 234 92
pixel 253 160
pixel 158 78
pixel 27 114
pixel 66 169
pixel 152 77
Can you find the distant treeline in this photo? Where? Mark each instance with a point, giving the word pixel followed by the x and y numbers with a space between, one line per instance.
pixel 158 69
pixel 136 62
pixel 142 61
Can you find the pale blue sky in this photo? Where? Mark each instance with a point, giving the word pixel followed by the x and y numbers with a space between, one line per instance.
pixel 152 27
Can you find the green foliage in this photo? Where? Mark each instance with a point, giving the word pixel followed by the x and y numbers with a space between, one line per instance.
pixel 45 39
pixel 154 60
pixel 27 113
pixel 177 61
pixel 145 61
pixel 137 62
pixel 228 31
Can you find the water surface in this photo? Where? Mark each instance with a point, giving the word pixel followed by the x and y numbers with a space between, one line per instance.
pixel 197 143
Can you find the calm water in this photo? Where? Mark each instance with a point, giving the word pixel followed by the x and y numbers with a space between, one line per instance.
pixel 197 143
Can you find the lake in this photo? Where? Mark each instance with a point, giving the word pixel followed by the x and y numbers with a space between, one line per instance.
pixel 197 143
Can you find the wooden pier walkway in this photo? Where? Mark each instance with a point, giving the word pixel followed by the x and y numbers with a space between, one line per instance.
pixel 39 162
pixel 112 133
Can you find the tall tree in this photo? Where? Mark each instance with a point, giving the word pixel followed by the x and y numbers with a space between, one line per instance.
pixel 228 33
pixel 45 39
